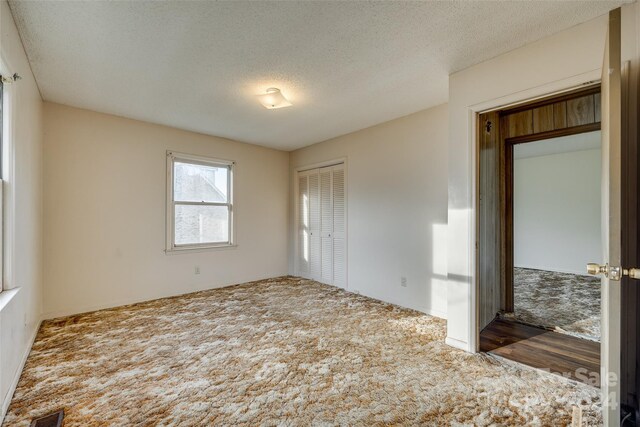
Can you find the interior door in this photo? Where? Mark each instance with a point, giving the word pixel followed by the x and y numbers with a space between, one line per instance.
pixel 630 255
pixel 621 235
pixel 630 240
pixel 611 221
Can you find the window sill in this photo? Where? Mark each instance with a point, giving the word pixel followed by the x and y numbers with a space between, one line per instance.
pixel 191 250
pixel 6 296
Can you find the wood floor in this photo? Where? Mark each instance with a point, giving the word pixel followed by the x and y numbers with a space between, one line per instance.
pixel 561 354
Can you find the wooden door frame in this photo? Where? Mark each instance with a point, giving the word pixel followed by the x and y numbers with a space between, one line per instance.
pixel 509 135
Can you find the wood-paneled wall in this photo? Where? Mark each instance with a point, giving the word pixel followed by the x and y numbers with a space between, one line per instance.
pixel 489 217
pixel 576 112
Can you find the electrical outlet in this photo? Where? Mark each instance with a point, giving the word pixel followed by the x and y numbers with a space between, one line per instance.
pixel 403 282
pixel 197 270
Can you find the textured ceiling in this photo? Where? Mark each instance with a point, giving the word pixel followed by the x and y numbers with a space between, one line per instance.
pixel 344 65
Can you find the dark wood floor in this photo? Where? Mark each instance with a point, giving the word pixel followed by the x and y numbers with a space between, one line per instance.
pixel 558 353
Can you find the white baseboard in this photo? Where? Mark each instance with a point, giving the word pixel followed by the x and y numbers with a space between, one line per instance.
pixel 417 307
pixel 88 308
pixel 18 373
pixel 121 302
pixel 453 342
pixel 434 313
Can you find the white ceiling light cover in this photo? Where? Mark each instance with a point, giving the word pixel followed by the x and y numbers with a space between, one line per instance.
pixel 273 99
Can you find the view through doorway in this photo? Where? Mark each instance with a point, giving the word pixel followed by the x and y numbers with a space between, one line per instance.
pixel 539 224
pixel 556 231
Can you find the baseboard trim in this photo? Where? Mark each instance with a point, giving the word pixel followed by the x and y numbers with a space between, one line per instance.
pixel 130 301
pixel 435 313
pixel 455 343
pixel 422 309
pixel 18 374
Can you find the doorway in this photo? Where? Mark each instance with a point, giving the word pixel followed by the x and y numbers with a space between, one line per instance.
pixel 539 217
pixel 619 268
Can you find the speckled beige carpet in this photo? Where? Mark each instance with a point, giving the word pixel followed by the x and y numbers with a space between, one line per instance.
pixel 283 351
pixel 566 303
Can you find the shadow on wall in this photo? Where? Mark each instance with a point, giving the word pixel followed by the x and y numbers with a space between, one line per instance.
pixel 437 296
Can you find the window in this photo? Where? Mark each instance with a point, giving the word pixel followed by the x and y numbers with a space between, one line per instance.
pixel 199 202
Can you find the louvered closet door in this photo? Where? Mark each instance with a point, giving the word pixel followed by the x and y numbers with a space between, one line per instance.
pixel 314 225
pixel 326 226
pixel 303 225
pixel 339 227
pixel 322 244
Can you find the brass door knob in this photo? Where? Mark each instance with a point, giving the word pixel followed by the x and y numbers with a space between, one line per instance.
pixel 595 269
pixel 613 273
pixel 633 273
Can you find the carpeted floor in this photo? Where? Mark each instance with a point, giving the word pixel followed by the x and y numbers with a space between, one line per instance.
pixel 568 303
pixel 283 351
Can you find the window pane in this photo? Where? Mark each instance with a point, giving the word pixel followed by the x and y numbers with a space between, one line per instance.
pixel 198 183
pixel 201 224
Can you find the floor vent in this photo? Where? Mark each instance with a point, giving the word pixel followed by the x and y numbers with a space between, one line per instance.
pixel 51 420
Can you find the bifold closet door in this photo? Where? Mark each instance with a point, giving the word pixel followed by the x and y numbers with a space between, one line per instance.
pixel 322 245
pixel 303 225
pixel 315 260
pixel 326 225
pixel 339 234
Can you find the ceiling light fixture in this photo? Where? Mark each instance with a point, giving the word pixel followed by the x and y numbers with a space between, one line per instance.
pixel 273 99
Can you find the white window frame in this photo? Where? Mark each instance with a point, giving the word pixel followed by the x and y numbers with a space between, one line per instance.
pixel 4 155
pixel 7 184
pixel 172 158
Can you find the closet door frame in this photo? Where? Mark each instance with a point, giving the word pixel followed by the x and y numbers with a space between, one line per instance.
pixel 296 225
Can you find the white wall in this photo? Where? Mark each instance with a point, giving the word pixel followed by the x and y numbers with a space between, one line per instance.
pixel 20 307
pixel 556 210
pixel 552 64
pixel 104 204
pixel 397 208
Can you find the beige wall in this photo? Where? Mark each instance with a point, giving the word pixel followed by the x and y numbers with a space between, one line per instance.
pixel 397 208
pixel 21 305
pixel 556 209
pixel 104 204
